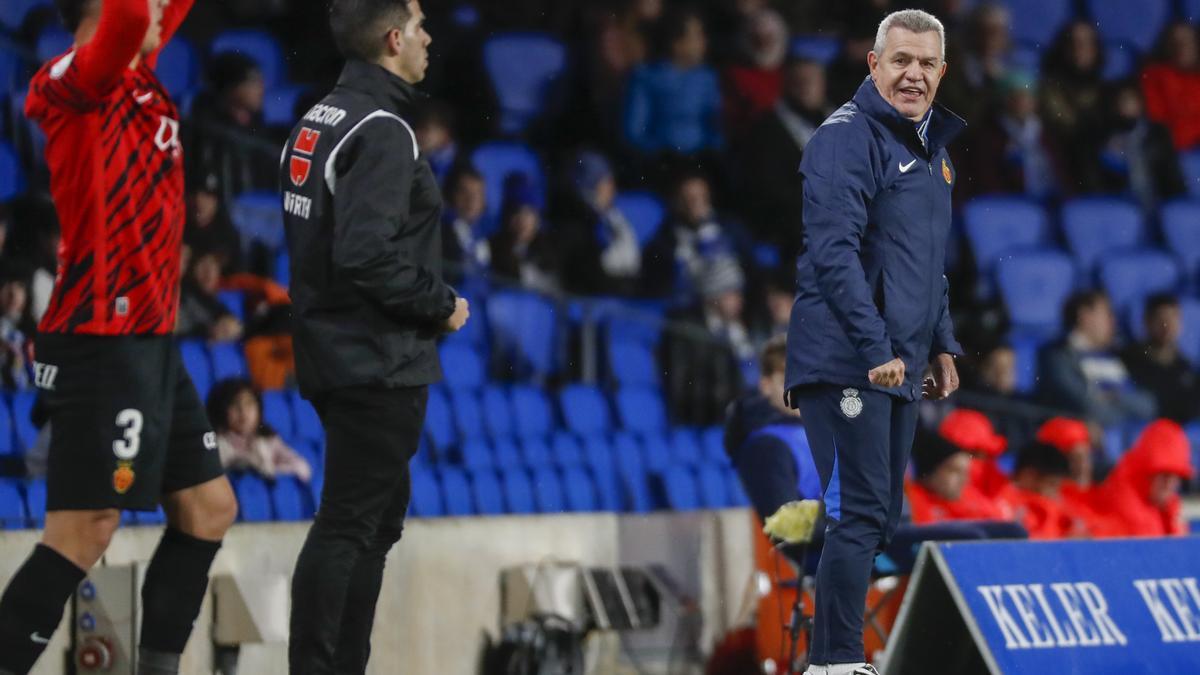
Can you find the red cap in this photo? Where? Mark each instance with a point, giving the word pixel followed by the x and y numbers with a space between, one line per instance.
pixel 1064 433
pixel 972 431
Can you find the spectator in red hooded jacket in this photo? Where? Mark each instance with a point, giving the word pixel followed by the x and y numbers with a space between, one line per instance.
pixel 973 432
pixel 1140 497
pixel 942 490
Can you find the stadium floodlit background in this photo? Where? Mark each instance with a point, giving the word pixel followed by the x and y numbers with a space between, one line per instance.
pixel 596 369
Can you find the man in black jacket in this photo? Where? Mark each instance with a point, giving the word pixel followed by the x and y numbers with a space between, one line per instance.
pixel 362 211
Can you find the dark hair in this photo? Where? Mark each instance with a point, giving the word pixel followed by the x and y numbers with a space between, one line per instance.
pixel 674 24
pixel 773 357
pixel 230 69
pixel 1043 458
pixel 1057 60
pixel 72 12
pixel 1158 301
pixel 460 173
pixel 1077 303
pixel 223 395
pixel 358 26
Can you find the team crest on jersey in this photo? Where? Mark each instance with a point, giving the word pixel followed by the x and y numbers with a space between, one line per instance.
pixel 123 477
pixel 946 171
pixel 852 405
pixel 306 144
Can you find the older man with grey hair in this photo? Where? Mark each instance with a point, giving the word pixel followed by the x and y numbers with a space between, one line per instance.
pixel 870 332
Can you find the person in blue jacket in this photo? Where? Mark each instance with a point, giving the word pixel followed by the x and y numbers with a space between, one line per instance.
pixel 870 332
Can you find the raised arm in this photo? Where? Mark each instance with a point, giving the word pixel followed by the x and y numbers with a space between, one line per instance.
pixel 99 64
pixel 173 15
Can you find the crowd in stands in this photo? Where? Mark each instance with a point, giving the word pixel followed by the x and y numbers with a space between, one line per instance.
pixel 646 150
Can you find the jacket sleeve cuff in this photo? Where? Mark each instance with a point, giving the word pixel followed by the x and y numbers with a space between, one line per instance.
pixel 448 303
pixel 878 355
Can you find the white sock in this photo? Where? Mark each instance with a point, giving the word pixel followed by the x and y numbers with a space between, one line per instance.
pixel 842 668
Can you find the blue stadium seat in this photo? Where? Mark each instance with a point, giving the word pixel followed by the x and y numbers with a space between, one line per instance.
pixel 584 409
pixel 1180 221
pixel 22 407
pixel 235 302
pixel 996 226
pixel 486 492
pixel 306 422
pixel 277 413
pixel 195 359
pixel 279 105
pixel 628 322
pixel 8 445
pixel 1096 225
pixel 155 517
pixel 656 452
pixel 1137 23
pixel 475 454
pixel 579 489
pixel 679 486
pixel 254 501
pixel 35 500
pixel 1034 285
pixel 51 42
pixel 259 45
pixel 641 409
pixel 462 366
pixel 439 424
pixel 178 67
pixel 714 490
pixel 10 74
pixel 712 439
pixel 12 506
pixel 1189 10
pixel 565 449
pixel 685 446
pixel 497 412
pixel 13 12
pixel 632 363
pixel 258 217
pixel 426 499
pixel 1038 21
pixel 1120 61
pixel 631 474
pixel 1026 348
pixel 227 360
pixel 456 492
pixel 468 418
pixel 12 178
pixel 815 47
pixel 523 93
pixel 1131 276
pixel 495 161
pixel 518 491
pixel 532 413
pixel 734 490
pixel 1190 163
pixel 525 331
pixel 535 452
pixel 644 210
pixel 506 453
pixel 548 490
pixel 289 500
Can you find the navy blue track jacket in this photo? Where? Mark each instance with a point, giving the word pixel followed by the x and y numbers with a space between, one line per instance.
pixel 870 285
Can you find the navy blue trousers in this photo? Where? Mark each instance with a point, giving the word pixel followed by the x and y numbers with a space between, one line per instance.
pixel 860 443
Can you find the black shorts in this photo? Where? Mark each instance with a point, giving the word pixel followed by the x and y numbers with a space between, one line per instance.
pixel 126 423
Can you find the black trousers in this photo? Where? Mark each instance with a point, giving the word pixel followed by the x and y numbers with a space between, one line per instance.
pixel 370 434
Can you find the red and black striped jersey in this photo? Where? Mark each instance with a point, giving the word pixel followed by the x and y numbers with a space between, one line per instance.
pixel 116 176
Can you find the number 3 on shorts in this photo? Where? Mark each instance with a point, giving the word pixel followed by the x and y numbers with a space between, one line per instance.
pixel 130 420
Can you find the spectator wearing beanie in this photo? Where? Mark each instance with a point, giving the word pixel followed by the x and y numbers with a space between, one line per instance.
pixel 605 257
pixel 1140 498
pixel 942 490
pixel 521 250
pixel 1036 493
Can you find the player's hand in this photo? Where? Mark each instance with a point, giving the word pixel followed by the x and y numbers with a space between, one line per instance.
pixel 458 319
pixel 890 374
pixel 943 378
pixel 227 328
